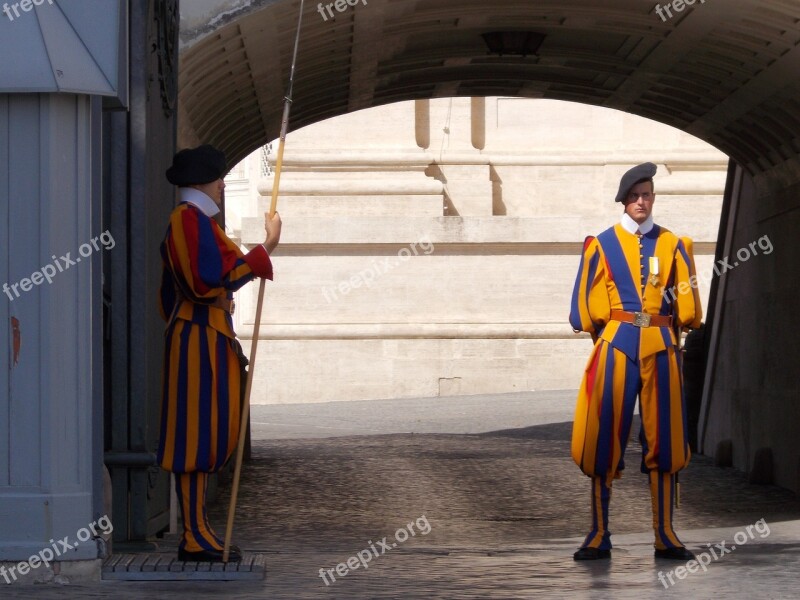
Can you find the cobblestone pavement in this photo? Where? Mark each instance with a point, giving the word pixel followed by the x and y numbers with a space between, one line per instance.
pixel 506 510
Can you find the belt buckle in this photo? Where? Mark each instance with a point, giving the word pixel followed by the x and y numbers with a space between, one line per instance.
pixel 641 319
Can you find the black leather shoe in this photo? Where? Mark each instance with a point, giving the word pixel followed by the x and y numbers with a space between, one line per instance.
pixel 235 555
pixel 591 554
pixel 675 554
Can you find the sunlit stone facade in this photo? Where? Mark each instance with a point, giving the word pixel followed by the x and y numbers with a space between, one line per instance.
pixel 430 247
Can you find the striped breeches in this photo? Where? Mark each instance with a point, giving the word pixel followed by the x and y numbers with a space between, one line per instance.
pixel 604 413
pixel 197 532
pixel 200 403
pixel 602 428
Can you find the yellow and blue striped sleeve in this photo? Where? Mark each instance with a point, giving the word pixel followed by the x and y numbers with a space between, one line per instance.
pixel 688 311
pixel 591 306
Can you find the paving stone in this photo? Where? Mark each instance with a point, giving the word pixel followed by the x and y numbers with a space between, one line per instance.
pixel 506 510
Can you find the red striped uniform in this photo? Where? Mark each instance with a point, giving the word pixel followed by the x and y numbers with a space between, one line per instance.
pixel 201 374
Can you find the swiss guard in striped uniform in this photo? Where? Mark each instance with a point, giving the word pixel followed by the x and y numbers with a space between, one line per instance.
pixel 200 404
pixel 634 295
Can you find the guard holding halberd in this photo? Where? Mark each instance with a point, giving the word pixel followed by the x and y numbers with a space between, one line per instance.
pixel 202 380
pixel 620 300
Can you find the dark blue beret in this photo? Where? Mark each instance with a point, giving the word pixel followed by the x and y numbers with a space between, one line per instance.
pixel 195 166
pixel 643 172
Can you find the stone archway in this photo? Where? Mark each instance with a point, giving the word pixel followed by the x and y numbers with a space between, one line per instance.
pixel 726 74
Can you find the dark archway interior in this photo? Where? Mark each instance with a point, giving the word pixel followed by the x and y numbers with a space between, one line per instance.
pixel 725 74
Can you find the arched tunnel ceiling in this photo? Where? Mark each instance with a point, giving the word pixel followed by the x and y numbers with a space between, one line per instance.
pixel 726 71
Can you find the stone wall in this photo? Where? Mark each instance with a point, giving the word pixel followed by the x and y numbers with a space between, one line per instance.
pixel 750 411
pixel 430 247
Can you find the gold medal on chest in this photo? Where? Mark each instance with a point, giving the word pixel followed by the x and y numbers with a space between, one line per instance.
pixel 654 271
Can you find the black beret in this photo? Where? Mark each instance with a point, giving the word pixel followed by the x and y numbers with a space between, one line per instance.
pixel 638 174
pixel 195 166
